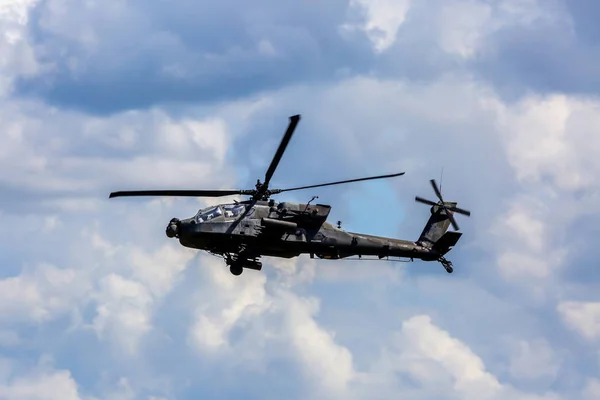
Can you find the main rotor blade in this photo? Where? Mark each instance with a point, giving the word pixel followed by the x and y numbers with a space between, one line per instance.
pixel 437 191
pixel 340 182
pixel 459 210
pixel 452 220
pixel 186 193
pixel 281 149
pixel 422 200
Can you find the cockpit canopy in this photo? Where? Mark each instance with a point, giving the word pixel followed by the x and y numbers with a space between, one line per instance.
pixel 226 211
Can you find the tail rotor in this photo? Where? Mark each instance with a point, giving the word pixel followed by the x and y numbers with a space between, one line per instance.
pixel 448 208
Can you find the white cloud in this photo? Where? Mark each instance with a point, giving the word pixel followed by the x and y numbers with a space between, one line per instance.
pixel 545 141
pixel 41 295
pixel 327 363
pixel 222 304
pixel 581 317
pixel 382 20
pixel 123 310
pixel 427 343
pixel 133 287
pixel 122 391
pixel 17 57
pixel 534 360
pixel 271 317
pixel 528 249
pixel 40 157
pixel 158 270
pixel 591 390
pixel 438 365
pixel 48 386
pixel 45 382
pixel 464 25
pixel 553 163
pixel 42 382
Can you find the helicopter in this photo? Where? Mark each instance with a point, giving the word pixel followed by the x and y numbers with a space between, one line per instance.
pixel 241 232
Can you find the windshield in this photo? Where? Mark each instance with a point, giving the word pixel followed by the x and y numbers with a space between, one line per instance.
pixel 209 214
pixel 233 210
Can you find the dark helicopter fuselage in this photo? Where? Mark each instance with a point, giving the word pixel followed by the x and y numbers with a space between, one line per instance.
pixel 263 228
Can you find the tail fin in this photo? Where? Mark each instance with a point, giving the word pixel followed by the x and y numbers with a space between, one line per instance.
pixel 435 234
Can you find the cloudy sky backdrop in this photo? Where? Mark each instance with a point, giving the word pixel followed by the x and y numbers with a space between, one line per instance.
pixel 96 96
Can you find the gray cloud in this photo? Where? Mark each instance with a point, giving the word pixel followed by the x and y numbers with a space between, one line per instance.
pixel 584 14
pixel 547 59
pixel 120 57
pixel 134 55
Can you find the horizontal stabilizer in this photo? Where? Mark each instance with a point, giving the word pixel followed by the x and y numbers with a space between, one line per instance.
pixel 447 241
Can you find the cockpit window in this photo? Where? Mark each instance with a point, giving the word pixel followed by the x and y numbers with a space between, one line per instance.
pixel 209 214
pixel 234 210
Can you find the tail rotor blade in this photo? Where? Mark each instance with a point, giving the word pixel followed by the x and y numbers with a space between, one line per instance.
pixel 425 201
pixel 452 220
pixel 436 190
pixel 449 208
pixel 460 211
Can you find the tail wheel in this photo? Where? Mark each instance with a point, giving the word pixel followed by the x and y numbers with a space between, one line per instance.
pixel 446 264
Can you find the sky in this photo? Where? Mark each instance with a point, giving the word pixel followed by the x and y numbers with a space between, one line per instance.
pixel 503 96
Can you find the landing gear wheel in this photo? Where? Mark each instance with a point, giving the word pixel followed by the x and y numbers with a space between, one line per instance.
pixel 236 269
pixel 446 264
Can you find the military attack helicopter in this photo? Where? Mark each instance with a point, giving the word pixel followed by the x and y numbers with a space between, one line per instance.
pixel 243 231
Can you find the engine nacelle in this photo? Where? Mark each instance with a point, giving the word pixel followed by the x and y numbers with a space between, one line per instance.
pixel 279 224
